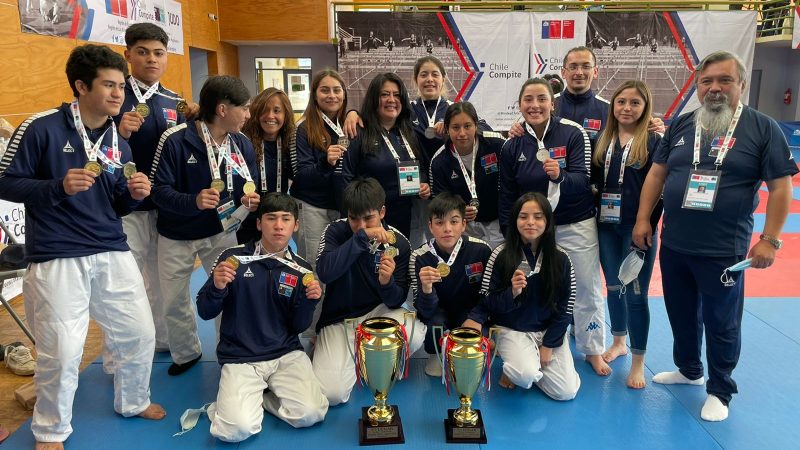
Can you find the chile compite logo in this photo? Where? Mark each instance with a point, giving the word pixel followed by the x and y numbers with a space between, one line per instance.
pixel 500 70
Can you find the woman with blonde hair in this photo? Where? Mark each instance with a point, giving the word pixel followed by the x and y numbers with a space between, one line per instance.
pixel 624 155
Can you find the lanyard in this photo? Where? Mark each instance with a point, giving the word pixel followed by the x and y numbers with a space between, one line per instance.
pixel 334 126
pixel 389 144
pixel 213 160
pixel 468 178
pixel 453 255
pixel 723 151
pixel 609 153
pixel 539 142
pixel 142 98
pixel 263 167
pixel 431 118
pixel 91 149
pixel 238 164
pixel 538 264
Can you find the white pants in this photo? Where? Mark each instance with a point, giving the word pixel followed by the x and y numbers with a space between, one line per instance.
pixel 60 297
pixel 140 227
pixel 333 363
pixel 579 240
pixel 176 264
pixel 294 396
pixel 486 231
pixel 420 232
pixel 521 364
pixel 313 221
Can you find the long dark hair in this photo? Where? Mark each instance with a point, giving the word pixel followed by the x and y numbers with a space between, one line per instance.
pixel 552 259
pixel 369 114
pixel 315 126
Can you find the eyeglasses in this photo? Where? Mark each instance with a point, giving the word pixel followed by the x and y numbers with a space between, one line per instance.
pixel 583 68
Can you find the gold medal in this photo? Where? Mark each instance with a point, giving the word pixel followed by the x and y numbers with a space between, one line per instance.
pixel 218 185
pixel 232 260
pixel 182 107
pixel 444 269
pixel 94 167
pixel 391 252
pixel 143 109
pixel 129 169
pixel 308 279
pixel 249 187
pixel 392 237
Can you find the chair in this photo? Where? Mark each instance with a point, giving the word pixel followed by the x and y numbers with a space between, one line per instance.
pixel 10 274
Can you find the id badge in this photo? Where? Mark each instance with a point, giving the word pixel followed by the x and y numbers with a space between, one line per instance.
pixel 701 189
pixel 408 173
pixel 610 207
pixel 225 213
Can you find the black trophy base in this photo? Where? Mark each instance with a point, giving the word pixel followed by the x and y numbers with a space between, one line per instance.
pixel 464 435
pixel 390 433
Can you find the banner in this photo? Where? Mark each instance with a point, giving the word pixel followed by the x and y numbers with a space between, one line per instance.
pixel 496 60
pixel 102 21
pixel 796 29
pixel 13 216
pixel 553 34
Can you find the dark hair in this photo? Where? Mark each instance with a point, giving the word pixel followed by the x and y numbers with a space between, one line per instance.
pixel 444 203
pixel 145 32
pixel 555 82
pixel 428 59
pixel 252 128
pixel 84 62
pixel 552 259
pixel 314 124
pixel 457 108
pixel 580 49
pixel 363 195
pixel 277 201
pixel 220 89
pixel 540 81
pixel 373 130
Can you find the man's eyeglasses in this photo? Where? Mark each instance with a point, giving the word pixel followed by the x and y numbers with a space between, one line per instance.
pixel 583 68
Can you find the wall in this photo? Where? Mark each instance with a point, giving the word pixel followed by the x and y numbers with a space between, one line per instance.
pixel 32 66
pixel 780 70
pixel 322 56
pixel 281 20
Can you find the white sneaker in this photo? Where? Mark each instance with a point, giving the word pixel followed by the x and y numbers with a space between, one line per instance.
pixel 19 360
pixel 433 366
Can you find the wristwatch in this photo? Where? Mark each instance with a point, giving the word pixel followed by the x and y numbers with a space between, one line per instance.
pixel 775 242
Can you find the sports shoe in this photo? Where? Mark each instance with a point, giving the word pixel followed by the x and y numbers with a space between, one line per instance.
pixel 433 366
pixel 19 360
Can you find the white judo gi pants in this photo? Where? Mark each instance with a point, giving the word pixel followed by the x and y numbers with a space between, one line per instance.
pixel 60 297
pixel 333 363
pixel 522 364
pixel 313 221
pixel 294 396
pixel 579 240
pixel 176 264
pixel 488 232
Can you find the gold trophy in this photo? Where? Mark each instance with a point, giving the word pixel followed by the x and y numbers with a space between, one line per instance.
pixel 466 360
pixel 381 355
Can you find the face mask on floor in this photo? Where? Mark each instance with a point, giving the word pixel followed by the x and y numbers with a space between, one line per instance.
pixel 631 266
pixel 189 419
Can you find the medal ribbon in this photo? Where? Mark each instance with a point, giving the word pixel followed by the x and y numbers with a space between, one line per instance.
pixel 431 118
pixel 453 255
pixel 468 178
pixel 238 164
pixel 142 98
pixel 334 126
pixel 263 167
pixel 92 153
pixel 539 142
pixel 213 160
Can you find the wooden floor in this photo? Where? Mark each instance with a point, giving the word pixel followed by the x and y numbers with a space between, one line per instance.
pixel 12 414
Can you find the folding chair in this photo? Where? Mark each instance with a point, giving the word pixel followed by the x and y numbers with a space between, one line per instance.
pixel 10 274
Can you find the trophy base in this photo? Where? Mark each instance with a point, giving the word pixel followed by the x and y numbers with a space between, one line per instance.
pixel 390 433
pixel 464 435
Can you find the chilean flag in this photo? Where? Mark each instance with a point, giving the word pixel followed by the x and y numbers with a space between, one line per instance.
pixel 558 152
pixel 117 8
pixel 288 279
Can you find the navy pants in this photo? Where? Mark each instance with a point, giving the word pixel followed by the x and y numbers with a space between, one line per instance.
pixel 696 298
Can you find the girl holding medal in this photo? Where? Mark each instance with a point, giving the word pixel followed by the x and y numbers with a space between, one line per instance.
pixel 624 152
pixel 472 156
pixel 553 158
pixel 316 155
pixel 532 308
pixel 270 128
pixel 387 150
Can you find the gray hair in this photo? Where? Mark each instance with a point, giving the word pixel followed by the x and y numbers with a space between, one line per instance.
pixel 720 56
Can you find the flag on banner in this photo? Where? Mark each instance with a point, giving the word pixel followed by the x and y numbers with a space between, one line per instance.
pixel 554 33
pixel 796 29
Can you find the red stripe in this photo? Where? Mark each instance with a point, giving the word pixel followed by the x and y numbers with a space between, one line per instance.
pixel 679 97
pixel 678 40
pixel 76 19
pixel 460 55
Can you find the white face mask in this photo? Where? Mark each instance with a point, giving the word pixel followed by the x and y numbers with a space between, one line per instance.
pixel 631 266
pixel 189 419
pixel 726 279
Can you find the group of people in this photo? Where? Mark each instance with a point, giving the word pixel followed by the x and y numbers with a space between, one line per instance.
pixel 128 184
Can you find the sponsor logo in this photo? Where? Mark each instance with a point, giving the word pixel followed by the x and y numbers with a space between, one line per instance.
pixel 191 160
pixel 68 148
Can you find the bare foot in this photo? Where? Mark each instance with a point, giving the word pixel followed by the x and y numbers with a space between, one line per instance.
pixel 636 375
pixel 600 367
pixel 505 382
pixel 153 412
pixel 49 445
pixel 618 348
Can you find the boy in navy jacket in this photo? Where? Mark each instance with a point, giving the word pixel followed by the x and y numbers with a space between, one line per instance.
pixel 362 280
pixel 65 165
pixel 446 272
pixel 267 296
pixel 201 172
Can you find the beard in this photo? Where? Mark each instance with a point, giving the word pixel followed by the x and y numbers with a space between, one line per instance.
pixel 714 116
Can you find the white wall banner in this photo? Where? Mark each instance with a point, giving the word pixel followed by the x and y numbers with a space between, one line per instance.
pixel 102 21
pixel 796 29
pixel 553 34
pixel 13 216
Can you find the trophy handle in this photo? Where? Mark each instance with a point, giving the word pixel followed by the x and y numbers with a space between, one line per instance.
pixel 436 341
pixel 350 323
pixel 413 315
pixel 493 330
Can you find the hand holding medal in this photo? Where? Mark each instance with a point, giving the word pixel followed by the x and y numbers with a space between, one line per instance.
pixel 386 268
pixel 225 272
pixel 313 289
pixel 78 180
pixel 138 183
pixel 207 199
pixel 427 276
pixel 519 280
